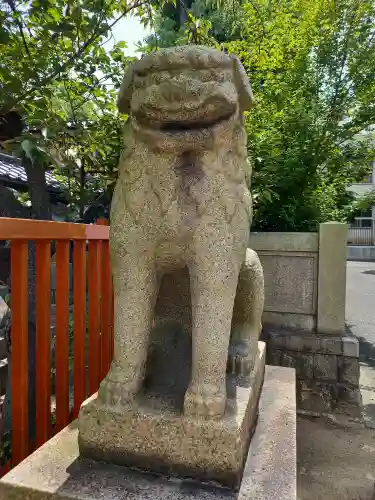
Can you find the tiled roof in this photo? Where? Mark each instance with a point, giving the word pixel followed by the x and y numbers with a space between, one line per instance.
pixel 11 168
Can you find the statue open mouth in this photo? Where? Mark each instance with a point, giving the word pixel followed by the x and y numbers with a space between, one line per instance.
pixel 177 126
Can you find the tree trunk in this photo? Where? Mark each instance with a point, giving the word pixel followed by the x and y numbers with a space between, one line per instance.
pixel 37 186
pixel 181 6
pixel 82 193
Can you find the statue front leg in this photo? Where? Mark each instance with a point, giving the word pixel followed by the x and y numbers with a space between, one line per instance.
pixel 135 288
pixel 213 283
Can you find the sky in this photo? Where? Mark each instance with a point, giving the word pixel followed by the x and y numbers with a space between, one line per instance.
pixel 131 31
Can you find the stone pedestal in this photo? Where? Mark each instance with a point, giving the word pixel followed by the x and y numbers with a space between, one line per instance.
pixel 154 434
pixel 57 471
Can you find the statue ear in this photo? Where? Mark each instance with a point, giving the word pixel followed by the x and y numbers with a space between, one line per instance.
pixel 245 94
pixel 126 91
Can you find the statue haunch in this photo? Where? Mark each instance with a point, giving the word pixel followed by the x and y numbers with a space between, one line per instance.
pixel 181 201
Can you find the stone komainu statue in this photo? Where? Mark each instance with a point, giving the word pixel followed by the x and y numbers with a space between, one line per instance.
pixel 180 219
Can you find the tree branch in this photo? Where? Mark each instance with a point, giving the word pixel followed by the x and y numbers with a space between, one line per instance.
pixel 70 102
pixel 20 27
pixel 63 67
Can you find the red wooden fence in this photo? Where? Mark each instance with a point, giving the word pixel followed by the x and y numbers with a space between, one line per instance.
pixel 93 281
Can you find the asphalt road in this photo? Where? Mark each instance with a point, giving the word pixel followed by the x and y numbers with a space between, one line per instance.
pixel 360 299
pixel 360 318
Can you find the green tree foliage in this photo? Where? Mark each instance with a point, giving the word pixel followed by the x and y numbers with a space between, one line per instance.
pixel 57 74
pixel 312 68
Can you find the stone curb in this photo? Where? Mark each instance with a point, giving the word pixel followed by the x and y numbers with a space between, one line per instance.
pixel 314 343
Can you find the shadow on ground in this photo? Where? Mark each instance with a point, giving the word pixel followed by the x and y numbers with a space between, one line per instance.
pixel 367 386
pixel 335 462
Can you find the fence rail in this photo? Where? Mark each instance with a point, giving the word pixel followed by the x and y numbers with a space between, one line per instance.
pixel 361 235
pixel 92 283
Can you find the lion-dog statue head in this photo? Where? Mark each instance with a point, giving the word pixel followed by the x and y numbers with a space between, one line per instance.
pixel 182 202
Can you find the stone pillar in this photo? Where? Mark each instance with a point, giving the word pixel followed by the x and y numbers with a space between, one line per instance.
pixel 332 278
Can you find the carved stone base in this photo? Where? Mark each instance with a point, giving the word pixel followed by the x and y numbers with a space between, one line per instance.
pixel 154 435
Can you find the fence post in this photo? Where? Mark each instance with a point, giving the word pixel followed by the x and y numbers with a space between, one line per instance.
pixel 19 346
pixel 332 278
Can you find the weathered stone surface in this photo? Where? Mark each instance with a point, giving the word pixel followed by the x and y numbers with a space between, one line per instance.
pixel 332 278
pixel 330 344
pixel 302 363
pixel 316 397
pixel 284 242
pixel 308 342
pixel 289 283
pixel 325 367
pixel 349 370
pixel 57 472
pixel 349 394
pixel 273 446
pixel 350 347
pixel 288 360
pixel 180 215
pixel 291 320
pixel 155 435
pixel 274 357
pixel 350 404
pixel 327 379
pixel 305 366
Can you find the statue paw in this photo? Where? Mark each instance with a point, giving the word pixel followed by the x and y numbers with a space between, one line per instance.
pixel 240 359
pixel 115 391
pixel 205 401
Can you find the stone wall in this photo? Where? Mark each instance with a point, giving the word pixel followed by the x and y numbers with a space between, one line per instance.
pixel 366 254
pixel 304 317
pixel 327 369
pixel 290 265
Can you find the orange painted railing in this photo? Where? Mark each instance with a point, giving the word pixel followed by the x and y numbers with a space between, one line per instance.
pixel 92 281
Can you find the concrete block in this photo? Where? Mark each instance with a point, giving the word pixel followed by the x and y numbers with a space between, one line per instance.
pixel 350 347
pixel 330 345
pixel 366 253
pixel 348 369
pixel 284 242
pixel 316 397
pixel 277 340
pixel 311 342
pixel 348 394
pixel 290 283
pixel 349 409
pixel 305 366
pixel 301 362
pixel 57 472
pixel 295 342
pixel 288 360
pixel 332 278
pixel 303 341
pixel 292 320
pixel 325 367
pixel 274 357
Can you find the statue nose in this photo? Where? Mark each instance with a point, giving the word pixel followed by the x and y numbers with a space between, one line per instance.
pixel 180 89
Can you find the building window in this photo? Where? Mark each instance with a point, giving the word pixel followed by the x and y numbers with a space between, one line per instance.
pixel 366 180
pixel 367 213
pixel 366 223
